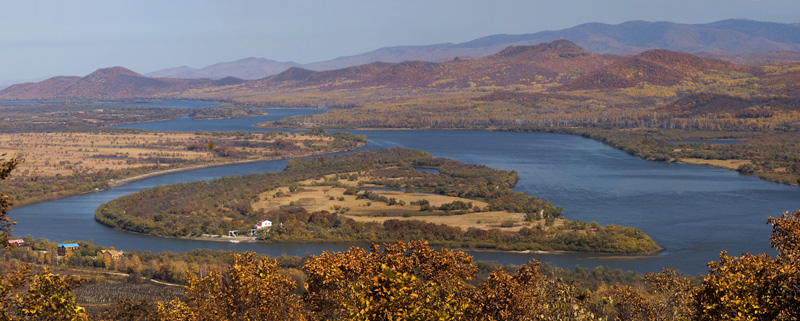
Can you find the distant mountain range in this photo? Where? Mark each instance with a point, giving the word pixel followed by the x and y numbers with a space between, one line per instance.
pixel 558 63
pixel 555 62
pixel 737 40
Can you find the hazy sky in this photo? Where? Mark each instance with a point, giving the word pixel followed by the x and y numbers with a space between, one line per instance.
pixel 42 38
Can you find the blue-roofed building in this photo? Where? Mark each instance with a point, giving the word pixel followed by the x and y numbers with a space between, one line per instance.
pixel 67 248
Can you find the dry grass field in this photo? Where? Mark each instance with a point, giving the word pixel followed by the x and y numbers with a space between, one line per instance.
pixel 52 154
pixel 731 164
pixel 333 199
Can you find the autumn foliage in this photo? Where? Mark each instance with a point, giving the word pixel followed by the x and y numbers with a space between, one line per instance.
pixel 756 287
pixel 251 289
pixel 411 281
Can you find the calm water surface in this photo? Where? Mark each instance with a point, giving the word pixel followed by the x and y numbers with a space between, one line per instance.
pixel 166 103
pixel 694 212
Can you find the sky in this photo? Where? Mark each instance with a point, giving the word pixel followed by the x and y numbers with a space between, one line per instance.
pixel 45 38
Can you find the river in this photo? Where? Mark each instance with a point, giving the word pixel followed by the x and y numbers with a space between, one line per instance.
pixel 694 212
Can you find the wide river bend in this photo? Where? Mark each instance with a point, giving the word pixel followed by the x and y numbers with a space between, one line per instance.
pixel 694 212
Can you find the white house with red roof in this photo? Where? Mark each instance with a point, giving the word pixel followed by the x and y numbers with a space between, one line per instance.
pixel 263 224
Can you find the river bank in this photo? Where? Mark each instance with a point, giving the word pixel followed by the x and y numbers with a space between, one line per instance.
pixel 366 245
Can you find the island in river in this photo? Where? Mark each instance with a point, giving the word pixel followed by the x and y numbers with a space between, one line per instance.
pixel 370 196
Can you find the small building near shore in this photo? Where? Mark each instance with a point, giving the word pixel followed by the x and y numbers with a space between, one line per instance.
pixel 111 254
pixel 265 224
pixel 66 249
pixel 20 243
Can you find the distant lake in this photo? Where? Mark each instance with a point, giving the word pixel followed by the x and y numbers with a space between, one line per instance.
pixel 693 211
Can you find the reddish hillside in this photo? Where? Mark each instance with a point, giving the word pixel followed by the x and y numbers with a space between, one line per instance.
pixel 703 104
pixel 559 61
pixel 404 74
pixel 109 83
pixel 785 82
pixel 755 58
pixel 32 91
pixel 657 67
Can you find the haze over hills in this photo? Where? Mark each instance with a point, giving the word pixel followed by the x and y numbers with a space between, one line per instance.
pixel 107 83
pixel 727 39
pixel 248 68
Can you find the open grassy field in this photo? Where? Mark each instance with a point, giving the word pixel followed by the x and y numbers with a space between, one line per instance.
pixel 60 164
pixel 731 164
pixel 52 154
pixel 333 199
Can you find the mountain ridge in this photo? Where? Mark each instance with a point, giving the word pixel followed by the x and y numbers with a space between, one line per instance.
pixel 631 37
pixel 559 65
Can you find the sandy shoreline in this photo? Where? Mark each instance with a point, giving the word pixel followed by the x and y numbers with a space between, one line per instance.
pixel 118 182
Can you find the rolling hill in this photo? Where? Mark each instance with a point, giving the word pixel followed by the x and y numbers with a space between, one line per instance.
pixel 707 103
pixel 106 84
pixel 656 67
